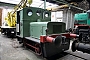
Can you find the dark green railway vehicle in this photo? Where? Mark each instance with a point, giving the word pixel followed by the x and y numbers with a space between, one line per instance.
pixel 36 31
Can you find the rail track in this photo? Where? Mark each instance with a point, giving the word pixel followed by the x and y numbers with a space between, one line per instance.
pixel 67 55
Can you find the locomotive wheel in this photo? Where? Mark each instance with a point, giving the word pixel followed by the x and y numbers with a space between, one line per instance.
pixel 37 50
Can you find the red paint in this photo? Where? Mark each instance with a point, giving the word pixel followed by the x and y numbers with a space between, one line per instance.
pixel 42 39
pixel 69 35
pixel 49 39
pixel 73 35
pixel 80 25
pixel 32 46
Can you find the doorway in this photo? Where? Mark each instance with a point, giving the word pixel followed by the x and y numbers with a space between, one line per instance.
pixel 0 16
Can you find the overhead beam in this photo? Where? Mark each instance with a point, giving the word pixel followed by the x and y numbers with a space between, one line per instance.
pixel 69 5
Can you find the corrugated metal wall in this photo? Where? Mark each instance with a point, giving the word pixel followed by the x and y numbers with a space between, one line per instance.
pixel 68 18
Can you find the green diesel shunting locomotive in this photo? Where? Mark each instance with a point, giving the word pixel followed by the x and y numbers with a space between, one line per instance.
pixel 35 30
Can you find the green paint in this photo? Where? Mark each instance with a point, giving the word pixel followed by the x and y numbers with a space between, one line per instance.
pixel 37 29
pixel 35 25
pixel 83 18
pixel 28 15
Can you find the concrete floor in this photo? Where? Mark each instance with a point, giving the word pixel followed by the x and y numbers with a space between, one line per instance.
pixel 8 51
